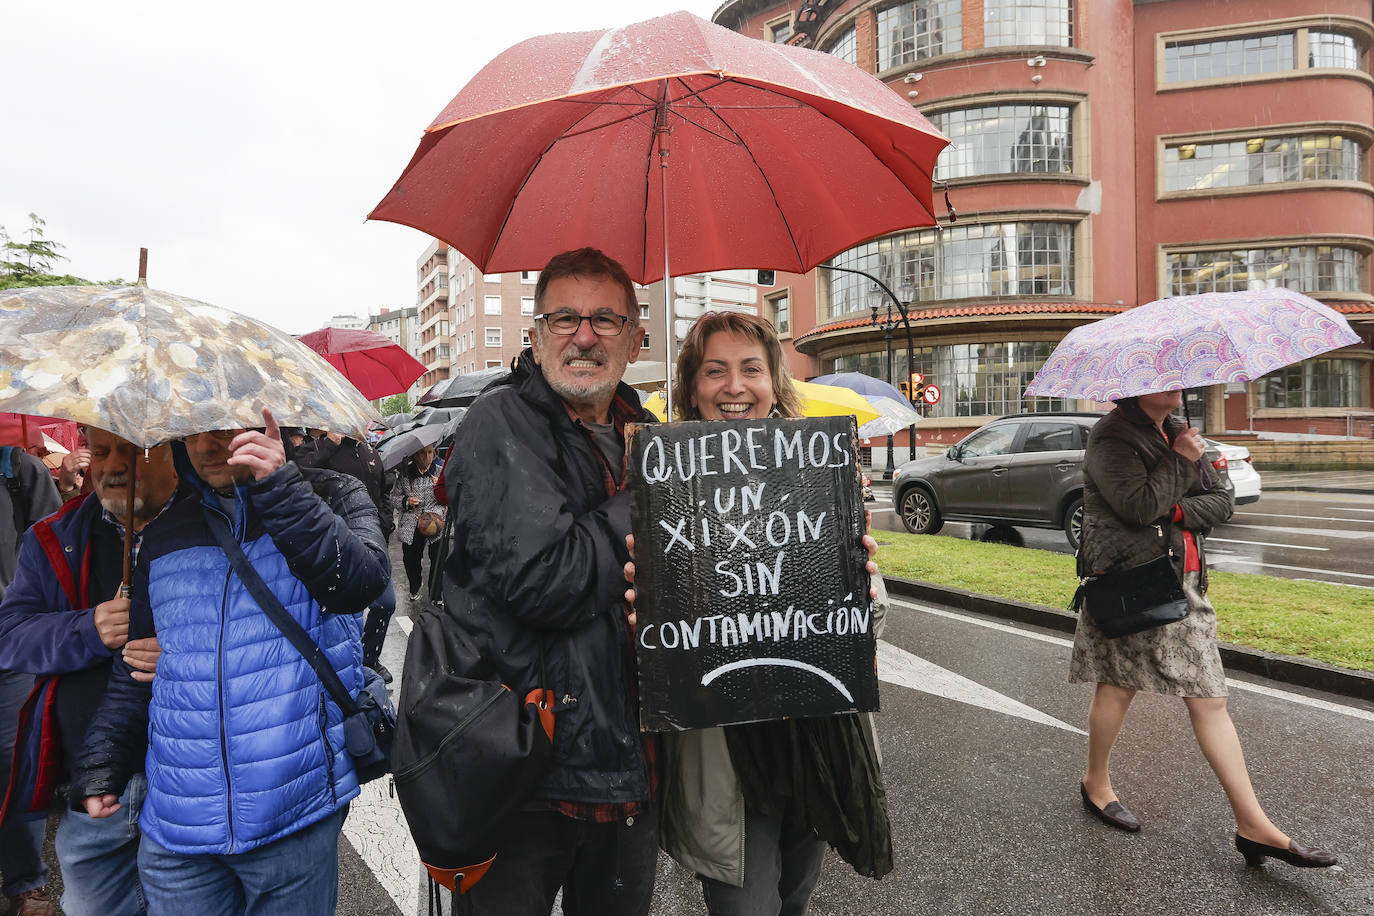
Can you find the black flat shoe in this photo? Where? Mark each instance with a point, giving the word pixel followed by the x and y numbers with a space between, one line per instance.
pixel 1115 814
pixel 1297 855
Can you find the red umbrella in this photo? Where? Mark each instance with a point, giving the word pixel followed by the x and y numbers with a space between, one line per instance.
pixel 744 153
pixel 376 366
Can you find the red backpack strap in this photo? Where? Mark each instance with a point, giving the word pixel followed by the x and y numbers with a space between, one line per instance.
pixel 36 763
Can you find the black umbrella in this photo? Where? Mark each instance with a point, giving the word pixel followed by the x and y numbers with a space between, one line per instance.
pixel 398 448
pixel 461 390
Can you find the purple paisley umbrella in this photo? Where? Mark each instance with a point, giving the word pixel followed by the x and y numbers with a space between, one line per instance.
pixel 1188 342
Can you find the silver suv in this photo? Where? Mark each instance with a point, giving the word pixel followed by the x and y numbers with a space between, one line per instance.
pixel 1021 471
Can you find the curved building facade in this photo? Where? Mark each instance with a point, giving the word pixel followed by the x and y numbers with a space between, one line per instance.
pixel 1103 155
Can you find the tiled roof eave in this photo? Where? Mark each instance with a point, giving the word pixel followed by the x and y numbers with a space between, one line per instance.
pixel 979 311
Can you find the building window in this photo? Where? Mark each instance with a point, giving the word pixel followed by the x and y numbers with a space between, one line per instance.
pixel 493 337
pixel 1332 49
pixel 643 311
pixel 494 364
pixel 845 47
pixel 526 305
pixel 976 380
pixel 472 338
pixel 491 278
pixel 1205 60
pixel 491 305
pixel 1308 268
pixel 976 261
pixel 1261 160
pixel 1027 22
pixel 918 29
pixel 779 312
pixel 529 276
pixel 1314 383
pixel 524 337
pixel 645 344
pixel 779 30
pixel 1005 139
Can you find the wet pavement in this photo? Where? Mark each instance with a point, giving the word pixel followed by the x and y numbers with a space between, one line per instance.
pixel 981 776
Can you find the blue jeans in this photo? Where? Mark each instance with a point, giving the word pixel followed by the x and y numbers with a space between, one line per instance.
pixel 297 875
pixel 21 842
pixel 99 858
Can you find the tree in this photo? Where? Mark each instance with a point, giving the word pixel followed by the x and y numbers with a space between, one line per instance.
pixel 397 403
pixel 30 263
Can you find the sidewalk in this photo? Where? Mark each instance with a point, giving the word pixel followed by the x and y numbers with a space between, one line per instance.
pixel 1318 481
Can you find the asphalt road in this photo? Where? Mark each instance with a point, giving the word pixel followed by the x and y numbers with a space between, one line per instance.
pixel 1327 536
pixel 983 742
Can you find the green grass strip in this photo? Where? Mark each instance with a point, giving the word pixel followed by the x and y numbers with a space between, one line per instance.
pixel 1316 620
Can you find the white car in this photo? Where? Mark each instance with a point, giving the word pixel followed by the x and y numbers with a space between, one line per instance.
pixel 1243 474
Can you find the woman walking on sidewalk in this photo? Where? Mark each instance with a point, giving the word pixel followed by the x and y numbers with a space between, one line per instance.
pixel 1142 496
pixel 421 516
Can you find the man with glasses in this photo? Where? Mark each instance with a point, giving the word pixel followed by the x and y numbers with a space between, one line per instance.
pixel 536 579
pixel 248 776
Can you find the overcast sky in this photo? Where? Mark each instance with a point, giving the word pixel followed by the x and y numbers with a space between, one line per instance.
pixel 243 143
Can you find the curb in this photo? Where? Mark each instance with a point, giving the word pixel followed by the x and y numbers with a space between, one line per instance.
pixel 1304 488
pixel 1300 672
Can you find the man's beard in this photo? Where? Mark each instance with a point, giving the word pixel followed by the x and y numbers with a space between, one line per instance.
pixel 118 506
pixel 581 392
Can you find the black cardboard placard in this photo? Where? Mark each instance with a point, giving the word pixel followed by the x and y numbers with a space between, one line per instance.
pixel 752 588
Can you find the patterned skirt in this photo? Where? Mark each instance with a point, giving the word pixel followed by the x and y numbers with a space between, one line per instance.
pixel 1179 659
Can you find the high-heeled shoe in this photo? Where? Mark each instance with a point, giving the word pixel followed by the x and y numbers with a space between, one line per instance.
pixel 1114 813
pixel 1296 854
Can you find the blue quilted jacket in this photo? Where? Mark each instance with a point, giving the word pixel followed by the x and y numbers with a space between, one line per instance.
pixel 244 745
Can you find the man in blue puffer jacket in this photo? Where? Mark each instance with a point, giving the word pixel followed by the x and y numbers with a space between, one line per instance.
pixel 248 776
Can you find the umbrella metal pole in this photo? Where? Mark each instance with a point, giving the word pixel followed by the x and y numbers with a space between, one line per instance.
pixel 661 131
pixel 124 590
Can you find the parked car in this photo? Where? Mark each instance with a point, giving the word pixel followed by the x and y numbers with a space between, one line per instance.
pixel 1244 478
pixel 1022 471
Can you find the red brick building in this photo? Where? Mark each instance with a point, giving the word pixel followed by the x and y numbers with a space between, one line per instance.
pixel 1104 154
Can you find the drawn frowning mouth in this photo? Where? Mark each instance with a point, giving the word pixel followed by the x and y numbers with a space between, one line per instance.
pixel 781 663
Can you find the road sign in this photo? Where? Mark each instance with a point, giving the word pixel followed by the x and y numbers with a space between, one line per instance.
pixel 931 395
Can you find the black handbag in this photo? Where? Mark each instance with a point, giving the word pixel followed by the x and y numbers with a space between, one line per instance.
pixel 469 752
pixel 370 719
pixel 1130 600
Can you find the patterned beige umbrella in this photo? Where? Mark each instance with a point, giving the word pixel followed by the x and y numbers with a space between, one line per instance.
pixel 151 366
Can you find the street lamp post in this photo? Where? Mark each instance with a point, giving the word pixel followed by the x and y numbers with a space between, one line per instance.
pixel 910 354
pixel 888 325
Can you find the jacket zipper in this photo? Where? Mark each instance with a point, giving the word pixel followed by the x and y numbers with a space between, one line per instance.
pixel 223 736
pixel 220 691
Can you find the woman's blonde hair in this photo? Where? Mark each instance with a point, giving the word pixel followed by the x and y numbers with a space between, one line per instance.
pixel 787 400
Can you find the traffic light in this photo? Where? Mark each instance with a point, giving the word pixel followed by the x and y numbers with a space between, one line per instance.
pixel 914 389
pixel 905 388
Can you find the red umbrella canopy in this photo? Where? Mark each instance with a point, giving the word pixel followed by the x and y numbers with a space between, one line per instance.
pixel 776 157
pixel 376 366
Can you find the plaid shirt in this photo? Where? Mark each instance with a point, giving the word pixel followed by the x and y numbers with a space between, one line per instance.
pixel 622 412
pixel 118 526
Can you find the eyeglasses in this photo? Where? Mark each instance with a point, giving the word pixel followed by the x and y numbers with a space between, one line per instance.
pixel 566 324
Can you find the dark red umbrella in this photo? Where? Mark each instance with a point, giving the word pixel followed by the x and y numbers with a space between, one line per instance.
pixel 376 366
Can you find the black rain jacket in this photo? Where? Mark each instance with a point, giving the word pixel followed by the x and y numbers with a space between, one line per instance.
pixel 537 560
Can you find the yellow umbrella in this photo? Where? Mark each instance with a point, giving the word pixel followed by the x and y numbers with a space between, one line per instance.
pixel 817 401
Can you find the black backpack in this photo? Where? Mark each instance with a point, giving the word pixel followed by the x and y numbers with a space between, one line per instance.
pixel 468 752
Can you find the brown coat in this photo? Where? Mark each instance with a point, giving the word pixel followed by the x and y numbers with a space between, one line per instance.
pixel 1132 479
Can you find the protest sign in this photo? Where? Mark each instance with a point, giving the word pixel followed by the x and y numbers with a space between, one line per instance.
pixel 752 590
